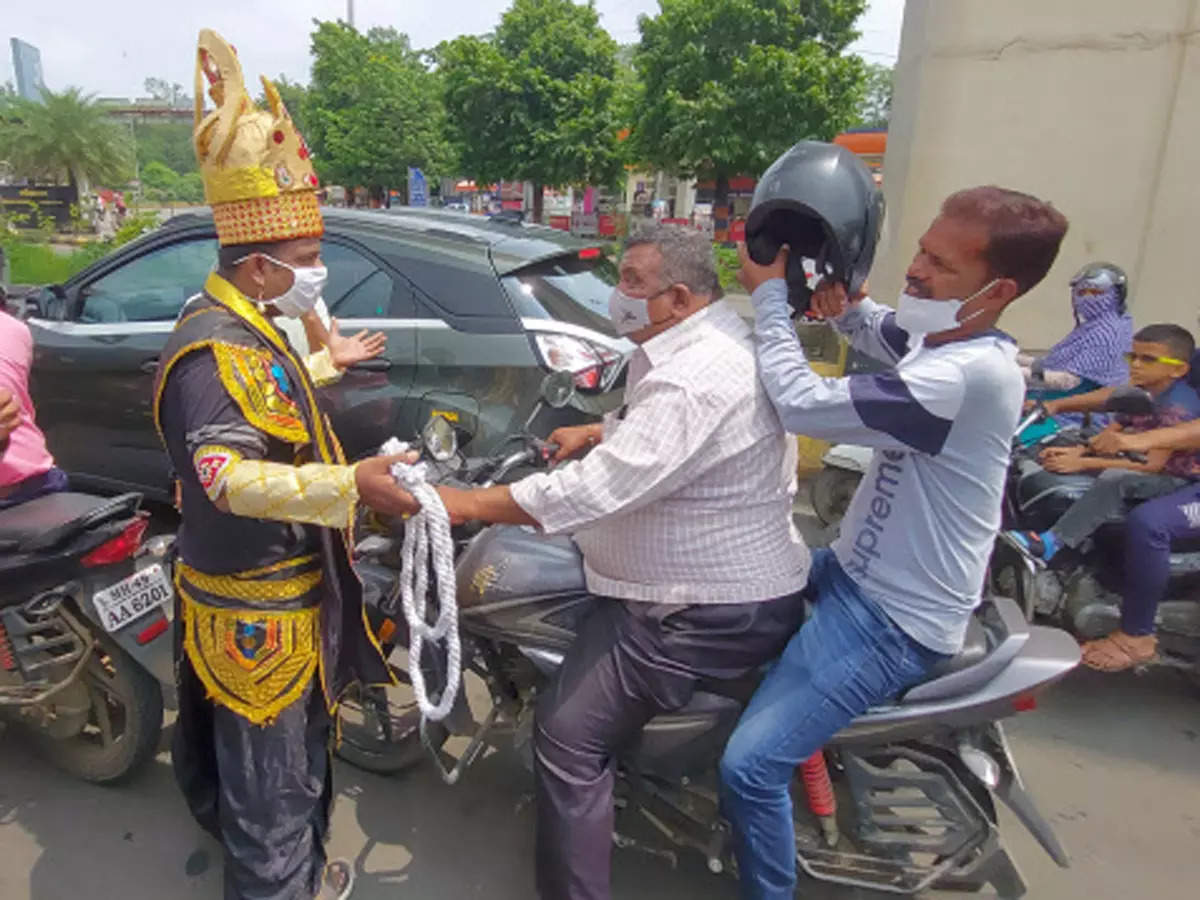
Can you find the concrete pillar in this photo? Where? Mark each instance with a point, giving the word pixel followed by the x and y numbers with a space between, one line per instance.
pixel 1094 106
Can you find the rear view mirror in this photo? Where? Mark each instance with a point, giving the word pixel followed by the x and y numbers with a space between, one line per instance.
pixel 52 303
pixel 1130 401
pixel 439 439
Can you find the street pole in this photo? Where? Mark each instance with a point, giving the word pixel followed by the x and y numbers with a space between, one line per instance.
pixel 137 172
pixel 350 13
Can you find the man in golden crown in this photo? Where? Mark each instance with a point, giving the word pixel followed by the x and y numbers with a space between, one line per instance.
pixel 272 628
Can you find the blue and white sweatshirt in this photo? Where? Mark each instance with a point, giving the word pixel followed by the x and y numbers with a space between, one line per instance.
pixel 919 532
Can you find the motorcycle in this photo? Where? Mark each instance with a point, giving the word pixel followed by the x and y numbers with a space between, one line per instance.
pixel 910 804
pixel 85 631
pixel 1081 592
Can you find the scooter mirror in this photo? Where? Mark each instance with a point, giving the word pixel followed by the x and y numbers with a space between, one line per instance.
pixel 557 389
pixel 1130 401
pixel 439 438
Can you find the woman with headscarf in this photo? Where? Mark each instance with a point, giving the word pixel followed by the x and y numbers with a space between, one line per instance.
pixel 1092 355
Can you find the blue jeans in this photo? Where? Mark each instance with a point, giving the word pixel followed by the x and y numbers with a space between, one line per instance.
pixel 1149 531
pixel 846 658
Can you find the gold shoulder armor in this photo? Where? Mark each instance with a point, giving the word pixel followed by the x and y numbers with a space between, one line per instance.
pixel 262 390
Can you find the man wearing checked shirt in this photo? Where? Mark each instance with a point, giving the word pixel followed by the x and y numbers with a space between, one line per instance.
pixel 683 514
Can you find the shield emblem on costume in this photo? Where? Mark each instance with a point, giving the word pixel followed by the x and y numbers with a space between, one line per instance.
pixel 252 643
pixel 251 638
pixel 254 664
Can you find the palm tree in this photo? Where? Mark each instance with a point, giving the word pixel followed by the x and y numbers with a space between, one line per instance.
pixel 67 137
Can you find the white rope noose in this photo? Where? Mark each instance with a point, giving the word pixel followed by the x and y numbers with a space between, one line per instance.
pixel 426 536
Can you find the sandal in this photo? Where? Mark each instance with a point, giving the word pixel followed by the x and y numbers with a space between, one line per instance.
pixel 337 881
pixel 1034 545
pixel 1119 652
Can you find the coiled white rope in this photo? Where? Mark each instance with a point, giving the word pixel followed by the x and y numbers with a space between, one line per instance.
pixel 426 536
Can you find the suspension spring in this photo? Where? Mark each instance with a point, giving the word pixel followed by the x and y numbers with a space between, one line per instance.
pixel 819 790
pixel 6 653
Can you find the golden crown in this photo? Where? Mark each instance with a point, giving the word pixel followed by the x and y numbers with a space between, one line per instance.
pixel 258 172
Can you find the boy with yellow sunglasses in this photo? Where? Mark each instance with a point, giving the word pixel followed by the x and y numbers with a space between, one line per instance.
pixel 1158 364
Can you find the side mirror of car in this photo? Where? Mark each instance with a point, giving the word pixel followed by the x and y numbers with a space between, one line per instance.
pixel 52 303
pixel 1130 401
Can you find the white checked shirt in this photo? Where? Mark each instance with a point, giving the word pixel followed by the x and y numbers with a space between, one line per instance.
pixel 688 499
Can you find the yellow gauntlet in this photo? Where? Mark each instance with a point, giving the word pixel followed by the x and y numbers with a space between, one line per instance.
pixel 315 493
pixel 321 368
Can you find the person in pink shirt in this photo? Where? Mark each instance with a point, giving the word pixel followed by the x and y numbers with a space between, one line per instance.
pixel 27 469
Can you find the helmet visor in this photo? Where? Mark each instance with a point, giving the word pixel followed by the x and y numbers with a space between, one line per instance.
pixel 1100 276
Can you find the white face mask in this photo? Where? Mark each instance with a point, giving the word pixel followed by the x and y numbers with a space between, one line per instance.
pixel 307 284
pixel 920 315
pixel 628 314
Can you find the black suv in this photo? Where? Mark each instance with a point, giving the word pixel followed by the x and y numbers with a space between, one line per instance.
pixel 476 314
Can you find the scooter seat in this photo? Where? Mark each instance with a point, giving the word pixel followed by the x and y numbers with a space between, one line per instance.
pixel 975 648
pixel 45 522
pixel 739 689
pixel 1189 545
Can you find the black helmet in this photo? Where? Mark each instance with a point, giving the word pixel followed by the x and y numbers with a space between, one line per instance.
pixel 821 200
pixel 1104 275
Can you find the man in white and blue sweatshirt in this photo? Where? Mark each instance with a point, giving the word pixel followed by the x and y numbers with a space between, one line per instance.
pixel 892 598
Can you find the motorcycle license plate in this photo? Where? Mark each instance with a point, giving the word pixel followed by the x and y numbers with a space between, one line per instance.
pixel 133 597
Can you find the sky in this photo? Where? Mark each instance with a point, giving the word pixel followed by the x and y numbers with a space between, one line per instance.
pixel 109 48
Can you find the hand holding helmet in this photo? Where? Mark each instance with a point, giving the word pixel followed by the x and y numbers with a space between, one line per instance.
pixel 822 202
pixel 753 274
pixel 830 299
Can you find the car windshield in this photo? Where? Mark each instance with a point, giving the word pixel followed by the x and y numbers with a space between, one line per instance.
pixel 566 288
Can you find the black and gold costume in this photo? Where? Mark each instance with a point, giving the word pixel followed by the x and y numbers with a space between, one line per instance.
pixel 271 627
pixel 271 616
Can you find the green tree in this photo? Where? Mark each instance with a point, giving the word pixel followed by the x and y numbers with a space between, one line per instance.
pixel 373 109
pixel 169 143
pixel 190 188
pixel 160 181
pixel 535 100
pixel 728 85
pixel 163 183
pixel 66 137
pixel 294 96
pixel 628 88
pixel 876 107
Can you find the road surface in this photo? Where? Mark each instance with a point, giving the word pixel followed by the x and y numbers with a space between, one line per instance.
pixel 1114 762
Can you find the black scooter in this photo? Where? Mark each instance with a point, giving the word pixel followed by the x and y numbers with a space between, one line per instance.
pixel 1081 591
pixel 85 631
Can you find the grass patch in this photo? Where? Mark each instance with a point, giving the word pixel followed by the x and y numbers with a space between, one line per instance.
pixel 40 264
pixel 36 262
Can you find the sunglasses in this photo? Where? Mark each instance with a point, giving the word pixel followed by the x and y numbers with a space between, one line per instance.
pixel 1147 359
